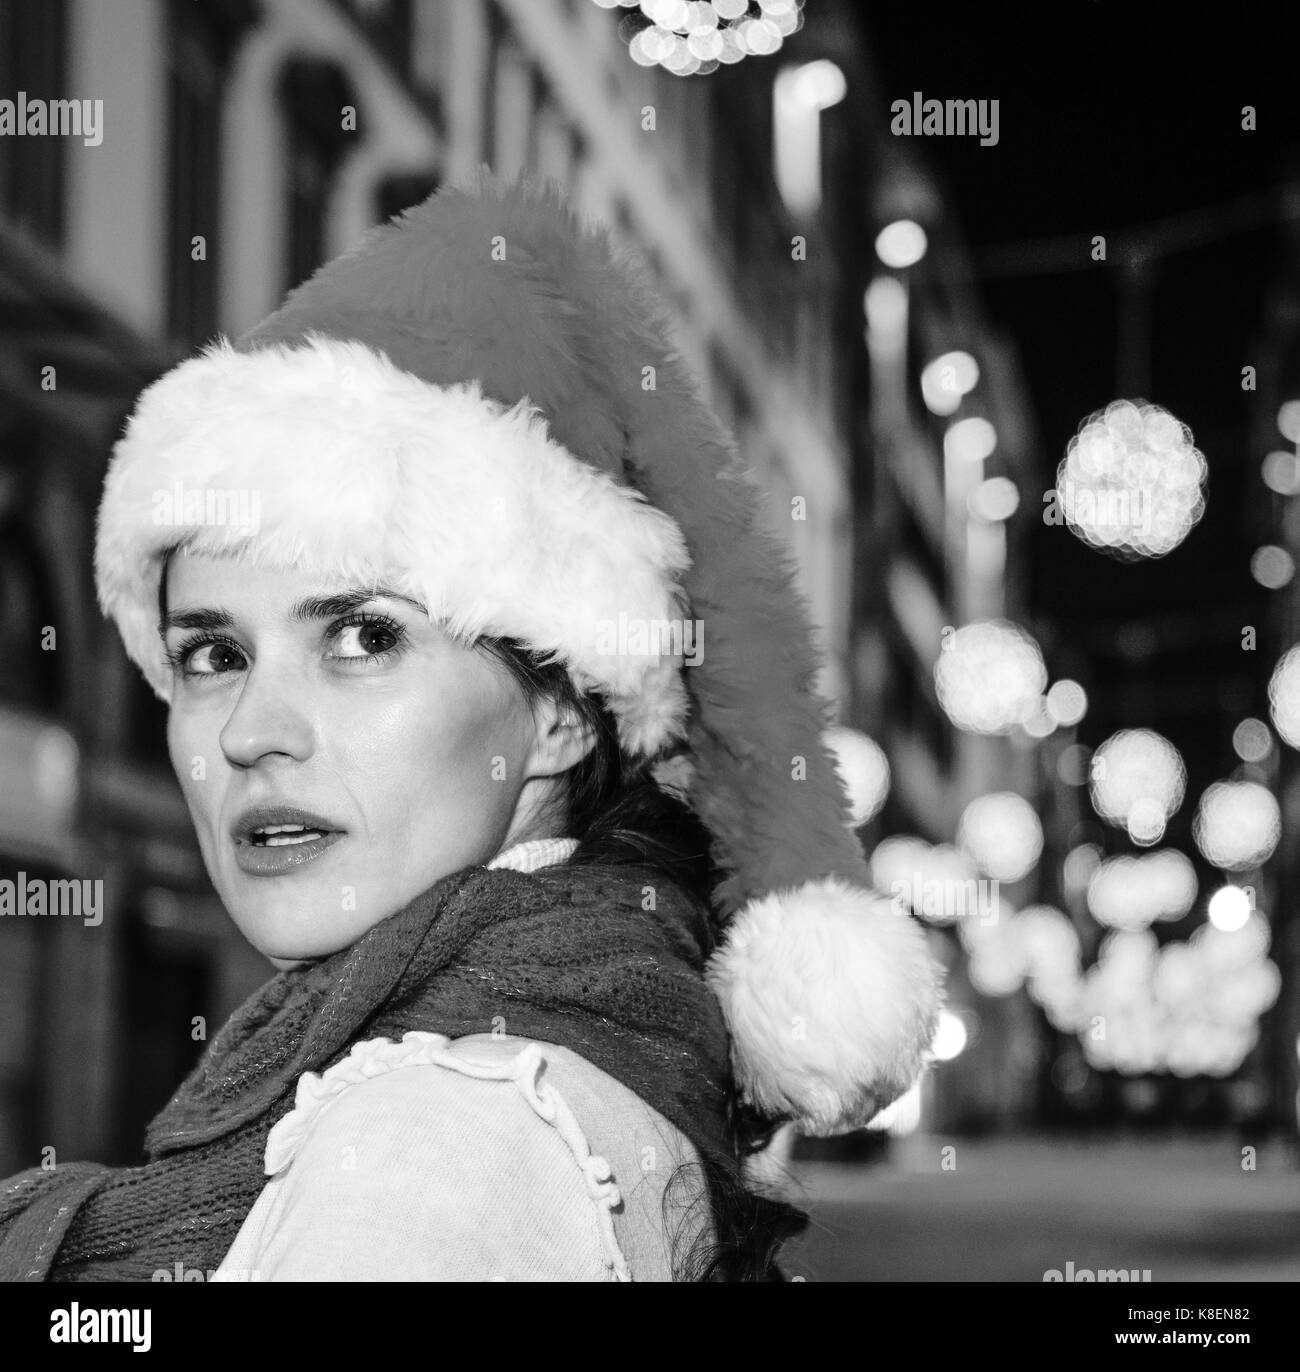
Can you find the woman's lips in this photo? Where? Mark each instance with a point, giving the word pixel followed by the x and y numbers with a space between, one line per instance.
pixel 275 850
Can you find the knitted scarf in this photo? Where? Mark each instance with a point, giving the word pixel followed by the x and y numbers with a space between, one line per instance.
pixel 565 955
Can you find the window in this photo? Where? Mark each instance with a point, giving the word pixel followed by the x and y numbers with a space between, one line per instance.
pixel 33 59
pixel 312 96
pixel 200 43
pixel 390 25
pixel 29 676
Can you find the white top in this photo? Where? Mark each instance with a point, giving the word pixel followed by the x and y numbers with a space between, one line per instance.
pixel 483 1158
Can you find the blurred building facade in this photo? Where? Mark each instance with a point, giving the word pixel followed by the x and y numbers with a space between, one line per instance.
pixel 1276 525
pixel 244 142
pixel 929 562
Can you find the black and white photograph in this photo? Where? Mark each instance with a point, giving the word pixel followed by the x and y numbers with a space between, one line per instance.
pixel 650 642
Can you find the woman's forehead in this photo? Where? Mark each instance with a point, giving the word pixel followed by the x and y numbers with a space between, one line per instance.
pixel 301 592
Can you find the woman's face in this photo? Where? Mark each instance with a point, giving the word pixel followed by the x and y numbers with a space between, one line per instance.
pixel 338 752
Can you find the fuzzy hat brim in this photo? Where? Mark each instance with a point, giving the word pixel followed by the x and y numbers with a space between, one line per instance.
pixel 328 457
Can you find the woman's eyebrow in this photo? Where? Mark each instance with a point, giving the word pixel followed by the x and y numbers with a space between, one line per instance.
pixel 196 619
pixel 332 606
pixel 311 608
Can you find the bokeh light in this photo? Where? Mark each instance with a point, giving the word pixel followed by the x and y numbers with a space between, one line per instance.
pixel 1184 1008
pixel 1146 822
pixel 997 955
pixel 1281 472
pixel 1131 481
pixel 1229 908
pixel 1272 566
pixel 994 500
pixel 935 881
pixel 989 677
pixel 1052 949
pixel 894 860
pixel 1284 696
pixel 863 768
pixel 901 244
pixel 1133 892
pixel 1237 825
pixel 1079 865
pixel 1039 722
pixel 1288 421
pixel 1226 949
pixel 1067 702
pixel 884 303
pixel 817 85
pixel 695 37
pixel 946 380
pixel 1137 769
pixel 1252 741
pixel 1001 834
pixel 970 440
pixel 950 1037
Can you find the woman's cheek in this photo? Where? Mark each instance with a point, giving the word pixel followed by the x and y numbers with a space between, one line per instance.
pixel 200 769
pixel 187 759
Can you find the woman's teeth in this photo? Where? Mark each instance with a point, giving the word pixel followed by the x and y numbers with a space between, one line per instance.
pixel 278 835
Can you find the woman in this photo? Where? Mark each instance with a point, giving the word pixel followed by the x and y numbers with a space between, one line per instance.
pixel 492 707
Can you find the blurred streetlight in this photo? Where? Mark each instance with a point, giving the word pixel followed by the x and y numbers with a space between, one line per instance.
pixel 799 95
pixel 970 440
pixel 901 244
pixel 1288 421
pixel 994 500
pixel 1272 566
pixel 1229 908
pixel 1251 740
pixel 1067 702
pixel 947 379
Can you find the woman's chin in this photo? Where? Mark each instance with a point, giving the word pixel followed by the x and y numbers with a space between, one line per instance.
pixel 289 933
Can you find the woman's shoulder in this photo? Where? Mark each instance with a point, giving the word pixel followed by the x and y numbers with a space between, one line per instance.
pixel 483 1157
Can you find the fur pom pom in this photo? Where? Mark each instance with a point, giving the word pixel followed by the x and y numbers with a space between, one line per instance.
pixel 831 998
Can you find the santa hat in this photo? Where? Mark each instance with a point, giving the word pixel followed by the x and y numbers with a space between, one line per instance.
pixel 480 406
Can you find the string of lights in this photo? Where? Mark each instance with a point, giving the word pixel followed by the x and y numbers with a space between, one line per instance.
pixel 696 37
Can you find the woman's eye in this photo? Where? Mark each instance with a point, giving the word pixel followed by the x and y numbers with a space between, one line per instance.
pixel 212 659
pixel 364 640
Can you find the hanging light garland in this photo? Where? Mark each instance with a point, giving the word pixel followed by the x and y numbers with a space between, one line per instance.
pixel 1132 481
pixel 696 37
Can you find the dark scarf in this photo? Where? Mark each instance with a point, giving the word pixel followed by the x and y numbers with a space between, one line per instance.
pixel 566 955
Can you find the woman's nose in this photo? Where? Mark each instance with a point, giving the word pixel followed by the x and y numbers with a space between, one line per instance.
pixel 268 720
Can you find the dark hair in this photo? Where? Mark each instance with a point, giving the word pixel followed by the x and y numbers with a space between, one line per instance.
pixel 619 814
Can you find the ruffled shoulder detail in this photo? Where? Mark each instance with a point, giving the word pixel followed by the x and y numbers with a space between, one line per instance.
pixel 375 1057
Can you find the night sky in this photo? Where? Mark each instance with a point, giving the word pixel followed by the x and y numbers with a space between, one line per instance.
pixel 1113 118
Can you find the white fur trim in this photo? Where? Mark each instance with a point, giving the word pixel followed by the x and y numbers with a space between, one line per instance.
pixel 831 998
pixel 350 466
